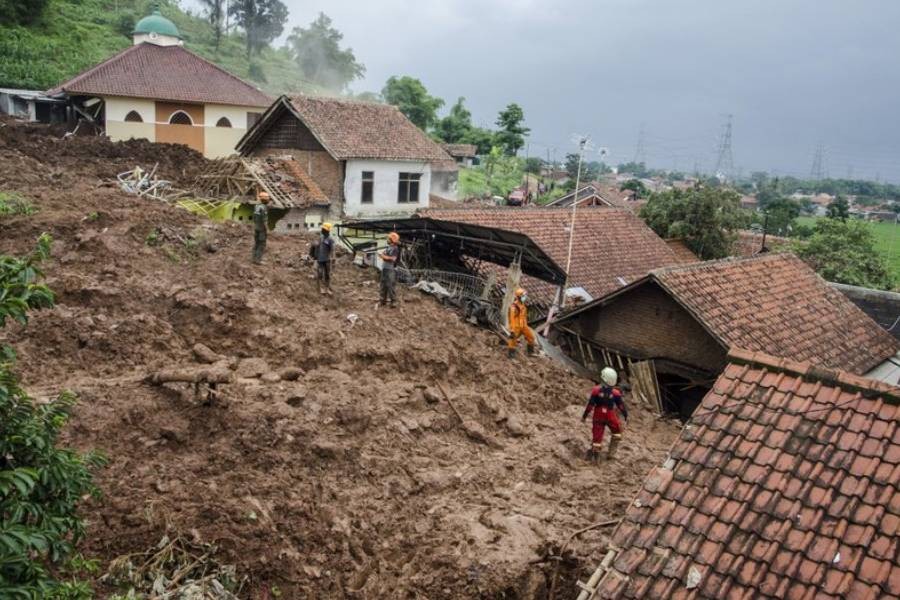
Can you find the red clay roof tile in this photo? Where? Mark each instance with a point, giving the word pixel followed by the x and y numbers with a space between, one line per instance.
pixel 827 531
pixel 612 247
pixel 164 73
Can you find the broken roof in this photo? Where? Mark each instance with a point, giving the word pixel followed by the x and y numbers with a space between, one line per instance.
pixel 474 240
pixel 782 485
pixel 163 73
pixel 774 303
pixel 461 150
pixel 612 247
pixel 352 129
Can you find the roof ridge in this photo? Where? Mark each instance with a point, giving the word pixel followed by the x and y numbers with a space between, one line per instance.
pixel 342 99
pixel 720 261
pixel 813 372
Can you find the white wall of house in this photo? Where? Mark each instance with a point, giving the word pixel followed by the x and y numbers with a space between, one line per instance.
pixel 118 130
pixel 387 183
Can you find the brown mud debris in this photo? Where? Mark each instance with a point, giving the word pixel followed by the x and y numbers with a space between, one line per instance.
pixel 331 465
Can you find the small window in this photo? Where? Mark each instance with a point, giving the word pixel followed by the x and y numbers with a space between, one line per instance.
pixel 252 118
pixel 408 190
pixel 223 122
pixel 133 117
pixel 368 187
pixel 180 117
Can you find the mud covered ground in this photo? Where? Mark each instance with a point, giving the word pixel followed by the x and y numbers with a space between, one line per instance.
pixel 354 480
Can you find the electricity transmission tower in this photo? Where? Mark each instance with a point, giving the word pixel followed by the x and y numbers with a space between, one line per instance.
pixel 817 172
pixel 640 151
pixel 725 160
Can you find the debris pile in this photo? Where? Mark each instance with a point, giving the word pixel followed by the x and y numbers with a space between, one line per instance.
pixel 395 453
pixel 141 182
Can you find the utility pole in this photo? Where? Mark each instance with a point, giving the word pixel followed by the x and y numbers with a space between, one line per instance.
pixel 817 172
pixel 640 151
pixel 527 178
pixel 582 142
pixel 725 160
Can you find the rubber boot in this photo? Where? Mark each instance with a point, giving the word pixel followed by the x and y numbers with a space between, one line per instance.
pixel 531 351
pixel 510 353
pixel 614 445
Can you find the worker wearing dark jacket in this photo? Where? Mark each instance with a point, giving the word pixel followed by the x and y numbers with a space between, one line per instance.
pixel 324 250
pixel 260 226
pixel 604 400
pixel 389 259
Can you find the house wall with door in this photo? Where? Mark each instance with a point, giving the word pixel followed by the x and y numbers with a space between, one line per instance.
pixel 387 180
pixel 647 323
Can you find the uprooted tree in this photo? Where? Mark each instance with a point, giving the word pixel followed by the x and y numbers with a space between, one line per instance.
pixel 40 483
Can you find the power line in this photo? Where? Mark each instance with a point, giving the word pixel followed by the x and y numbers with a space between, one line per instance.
pixel 725 160
pixel 640 151
pixel 817 172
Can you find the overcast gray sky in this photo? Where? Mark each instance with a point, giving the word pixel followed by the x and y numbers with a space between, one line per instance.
pixel 794 73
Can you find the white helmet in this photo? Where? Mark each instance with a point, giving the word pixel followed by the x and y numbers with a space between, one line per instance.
pixel 608 375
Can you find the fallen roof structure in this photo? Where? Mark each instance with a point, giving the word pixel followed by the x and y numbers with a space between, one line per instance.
pixel 612 247
pixel 452 241
pixel 236 178
pixel 782 485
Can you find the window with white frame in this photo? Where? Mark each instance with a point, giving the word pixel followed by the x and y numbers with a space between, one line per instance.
pixel 408 190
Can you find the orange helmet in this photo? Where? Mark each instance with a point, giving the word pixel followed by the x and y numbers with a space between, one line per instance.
pixel 520 292
pixel 394 237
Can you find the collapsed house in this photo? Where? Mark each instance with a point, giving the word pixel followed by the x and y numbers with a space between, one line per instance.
pixel 782 485
pixel 159 91
pixel 682 321
pixel 611 247
pixel 367 158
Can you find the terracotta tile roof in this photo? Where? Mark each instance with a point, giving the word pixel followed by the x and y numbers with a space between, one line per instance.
pixel 775 303
pixel 163 73
pixel 355 129
pixel 679 247
pixel 612 246
pixel 749 243
pixel 782 485
pixel 306 190
pixel 461 150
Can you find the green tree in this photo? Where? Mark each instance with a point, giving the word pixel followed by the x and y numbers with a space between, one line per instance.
pixel 322 61
pixel 40 483
pixel 262 21
pixel 707 218
pixel 512 132
pixel 410 96
pixel 844 251
pixel 638 170
pixel 637 186
pixel 533 164
pixel 454 128
pixel 215 14
pixel 21 12
pixel 839 208
pixel 482 138
pixel 779 216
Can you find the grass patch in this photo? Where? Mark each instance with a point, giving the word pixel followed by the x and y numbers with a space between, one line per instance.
pixel 12 203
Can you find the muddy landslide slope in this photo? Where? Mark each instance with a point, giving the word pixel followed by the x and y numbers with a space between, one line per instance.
pixel 332 466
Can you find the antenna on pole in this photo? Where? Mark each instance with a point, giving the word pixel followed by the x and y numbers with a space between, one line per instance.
pixel 725 161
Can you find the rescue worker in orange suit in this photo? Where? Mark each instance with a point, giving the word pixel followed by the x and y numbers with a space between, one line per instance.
pixel 518 324
pixel 605 399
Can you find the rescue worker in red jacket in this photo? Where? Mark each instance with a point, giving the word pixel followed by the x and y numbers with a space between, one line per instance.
pixel 605 399
pixel 518 324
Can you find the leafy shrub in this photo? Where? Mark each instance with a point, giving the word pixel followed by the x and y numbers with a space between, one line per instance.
pixel 40 484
